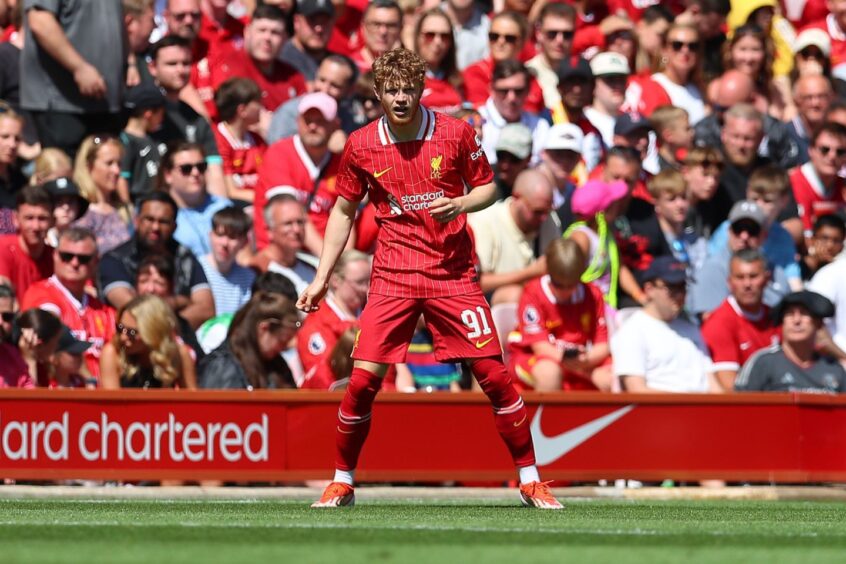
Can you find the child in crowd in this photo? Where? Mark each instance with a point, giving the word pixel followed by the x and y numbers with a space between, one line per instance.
pixel 674 133
pixel 239 107
pixel 230 282
pixel 825 244
pixel 66 369
pixel 140 165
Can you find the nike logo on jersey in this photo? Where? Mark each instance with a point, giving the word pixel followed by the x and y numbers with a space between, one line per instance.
pixel 550 449
pixel 481 344
pixel 381 172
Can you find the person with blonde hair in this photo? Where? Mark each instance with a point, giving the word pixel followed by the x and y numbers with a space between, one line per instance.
pixel 97 173
pixel 145 352
pixel 51 163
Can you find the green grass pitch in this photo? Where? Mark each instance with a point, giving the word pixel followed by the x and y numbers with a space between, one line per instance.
pixel 409 530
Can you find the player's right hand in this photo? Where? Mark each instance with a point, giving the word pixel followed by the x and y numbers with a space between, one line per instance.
pixel 310 299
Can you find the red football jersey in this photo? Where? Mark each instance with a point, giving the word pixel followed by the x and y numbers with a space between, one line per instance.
pixel 89 320
pixel 478 83
pixel 20 268
pixel 812 198
pixel 541 318
pixel 416 257
pixel 440 96
pixel 284 83
pixel 320 332
pixel 286 167
pixel 732 336
pixel 214 39
pixel 241 158
pixel 838 39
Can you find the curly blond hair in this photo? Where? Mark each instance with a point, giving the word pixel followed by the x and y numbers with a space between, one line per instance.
pixel 399 66
pixel 157 329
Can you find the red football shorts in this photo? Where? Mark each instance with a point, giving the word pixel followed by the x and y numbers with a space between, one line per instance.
pixel 461 327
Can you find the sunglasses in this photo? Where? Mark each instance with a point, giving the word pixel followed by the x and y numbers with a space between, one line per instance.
pixel 186 169
pixel 128 331
pixel 679 45
pixel 752 228
pixel 507 91
pixel 180 16
pixel 825 150
pixel 552 34
pixel 8 316
pixel 68 257
pixel 429 36
pixel 811 53
pixel 507 37
pixel 707 163
pixel 507 157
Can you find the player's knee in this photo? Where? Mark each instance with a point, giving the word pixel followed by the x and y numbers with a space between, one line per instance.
pixel 547 375
pixel 490 373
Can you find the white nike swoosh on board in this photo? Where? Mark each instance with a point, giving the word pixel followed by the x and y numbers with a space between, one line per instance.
pixel 550 449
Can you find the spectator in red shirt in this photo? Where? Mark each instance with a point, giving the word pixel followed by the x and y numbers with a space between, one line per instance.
pixel 24 257
pixel 742 324
pixel 380 29
pixel 263 40
pixel 322 329
pixel 435 42
pixel 303 166
pixel 509 31
pixel 238 102
pixel 561 339
pixel 206 24
pixel 64 295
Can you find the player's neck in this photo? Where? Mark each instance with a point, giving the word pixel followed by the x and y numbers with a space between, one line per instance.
pixel 408 131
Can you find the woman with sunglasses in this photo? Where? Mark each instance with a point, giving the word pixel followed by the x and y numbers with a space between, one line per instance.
pixel 506 39
pixel 97 172
pixel 145 352
pixel 250 358
pixel 678 81
pixel 435 42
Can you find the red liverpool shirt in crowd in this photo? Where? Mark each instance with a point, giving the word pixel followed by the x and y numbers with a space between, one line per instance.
pixel 89 320
pixel 20 268
pixel 732 335
pixel 287 167
pixel 214 39
pixel 812 198
pixel 838 39
pixel 478 82
pixel 320 331
pixel 416 256
pixel 241 159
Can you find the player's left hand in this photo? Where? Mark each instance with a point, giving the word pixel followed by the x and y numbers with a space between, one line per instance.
pixel 444 210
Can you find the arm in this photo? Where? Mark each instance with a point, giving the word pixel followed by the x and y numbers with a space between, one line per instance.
pixel 725 379
pixel 637 385
pixel 188 379
pixel 49 34
pixel 490 281
pixel 200 309
pixel 120 296
pixel 630 285
pixel 337 232
pixel 447 209
pixel 215 180
pixel 109 368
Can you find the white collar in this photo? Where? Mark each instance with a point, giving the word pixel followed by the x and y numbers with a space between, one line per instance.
pixel 312 167
pixel 576 298
pixel 424 133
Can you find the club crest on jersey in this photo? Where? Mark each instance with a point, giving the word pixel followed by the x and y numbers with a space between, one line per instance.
pixel 316 344
pixel 530 316
pixel 436 166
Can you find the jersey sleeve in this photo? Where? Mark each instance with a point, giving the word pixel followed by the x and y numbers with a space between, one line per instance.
pixel 351 181
pixel 531 319
pixel 721 342
pixel 600 332
pixel 198 279
pixel 754 374
pixel 473 163
pixel 226 153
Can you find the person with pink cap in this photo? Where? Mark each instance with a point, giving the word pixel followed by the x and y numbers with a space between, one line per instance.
pixel 599 203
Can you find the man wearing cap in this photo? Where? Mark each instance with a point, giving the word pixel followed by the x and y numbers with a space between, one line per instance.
pixel 313 22
pixel 561 155
pixel 657 349
pixel 513 152
pixel 795 365
pixel 813 95
pixel 259 60
pixel 303 166
pixel 747 230
pixel 142 155
pixel 611 72
pixel 554 33
pixel 506 104
pixel 742 324
pixel 632 130
pixel 63 294
pixel 575 88
pixel 68 205
pixel 504 236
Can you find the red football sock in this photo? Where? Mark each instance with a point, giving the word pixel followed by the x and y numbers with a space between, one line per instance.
pixel 510 414
pixel 354 417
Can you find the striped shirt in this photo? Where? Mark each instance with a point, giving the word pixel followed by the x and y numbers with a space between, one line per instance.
pixel 231 290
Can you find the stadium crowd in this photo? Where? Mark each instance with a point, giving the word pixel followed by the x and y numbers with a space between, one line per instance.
pixel 671 181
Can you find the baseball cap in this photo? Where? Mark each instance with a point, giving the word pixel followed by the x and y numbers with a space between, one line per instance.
pixel 628 123
pixel 746 209
pixel 574 66
pixel 321 101
pixel 65 186
pixel 615 23
pixel 70 344
pixel 609 63
pixel 595 196
pixel 815 37
pixel 144 96
pixel 515 138
pixel 314 7
pixel 564 136
pixel 817 305
pixel 666 268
